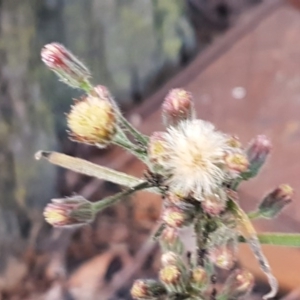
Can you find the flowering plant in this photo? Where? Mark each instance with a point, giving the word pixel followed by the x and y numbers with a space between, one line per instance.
pixel 196 169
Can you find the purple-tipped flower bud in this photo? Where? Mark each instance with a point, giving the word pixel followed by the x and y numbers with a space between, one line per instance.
pixel 170 258
pixel 170 240
pixel 147 289
pixel 68 68
pixel 238 284
pixel 176 217
pixel 170 275
pixel 223 256
pixel 170 235
pixel 213 204
pixel 236 163
pixel 92 120
pixel 275 201
pixel 234 142
pixel 69 211
pixel 257 153
pixel 177 106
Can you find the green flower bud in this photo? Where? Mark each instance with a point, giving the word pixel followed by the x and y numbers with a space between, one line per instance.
pixel 69 211
pixel 147 289
pixel 68 68
pixel 275 201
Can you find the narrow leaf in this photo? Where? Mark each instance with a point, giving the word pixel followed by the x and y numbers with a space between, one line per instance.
pixel 87 168
pixel 278 239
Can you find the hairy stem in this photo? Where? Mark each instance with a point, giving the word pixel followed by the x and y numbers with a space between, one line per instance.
pixel 133 131
pixel 122 141
pixel 100 205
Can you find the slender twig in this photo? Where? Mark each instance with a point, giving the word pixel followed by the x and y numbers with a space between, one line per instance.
pixel 100 205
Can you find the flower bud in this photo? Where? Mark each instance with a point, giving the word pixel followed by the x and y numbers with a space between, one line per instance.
pixel 68 68
pixel 223 256
pixel 175 217
pixel 275 201
pixel 102 92
pixel 175 199
pixel 157 152
pixel 170 275
pixel 213 204
pixel 170 258
pixel 236 163
pixel 234 142
pixel 170 235
pixel 229 220
pixel 198 277
pixel 147 289
pixel 257 153
pixel 170 240
pixel 69 211
pixel 239 284
pixel 177 106
pixel 92 121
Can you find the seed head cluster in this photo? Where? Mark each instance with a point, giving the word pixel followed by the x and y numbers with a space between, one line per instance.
pixel 196 162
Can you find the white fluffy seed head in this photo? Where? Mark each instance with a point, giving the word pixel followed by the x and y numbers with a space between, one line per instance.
pixel 195 161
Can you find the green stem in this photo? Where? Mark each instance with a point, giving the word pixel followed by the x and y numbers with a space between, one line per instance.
pixel 127 145
pixel 106 202
pixel 86 86
pixel 235 184
pixel 133 131
pixel 254 214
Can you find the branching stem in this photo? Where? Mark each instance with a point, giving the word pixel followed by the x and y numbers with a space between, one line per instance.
pixel 106 202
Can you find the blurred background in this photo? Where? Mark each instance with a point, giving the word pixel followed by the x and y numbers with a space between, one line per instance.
pixel 240 59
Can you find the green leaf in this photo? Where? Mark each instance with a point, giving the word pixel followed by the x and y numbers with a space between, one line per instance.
pixel 278 239
pixel 85 167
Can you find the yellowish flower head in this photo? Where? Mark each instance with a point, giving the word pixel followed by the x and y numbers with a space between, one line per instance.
pixel 92 121
pixel 170 274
